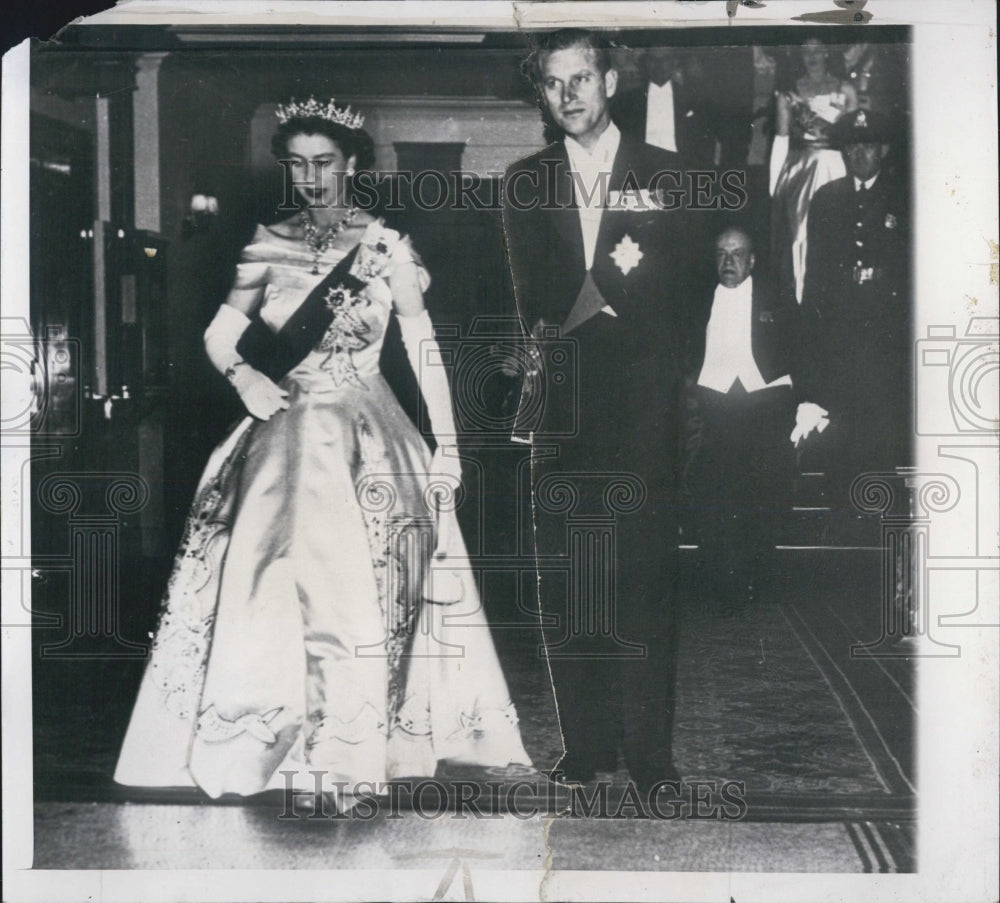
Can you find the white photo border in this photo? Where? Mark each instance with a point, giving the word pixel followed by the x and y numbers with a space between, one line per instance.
pixel 955 159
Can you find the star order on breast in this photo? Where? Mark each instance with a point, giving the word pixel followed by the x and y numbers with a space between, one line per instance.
pixel 627 254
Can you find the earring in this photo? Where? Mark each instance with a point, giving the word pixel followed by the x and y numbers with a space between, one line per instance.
pixel 350 171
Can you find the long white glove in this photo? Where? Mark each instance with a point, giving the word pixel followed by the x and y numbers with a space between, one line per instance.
pixel 808 417
pixel 258 393
pixel 441 584
pixel 779 151
pixel 421 346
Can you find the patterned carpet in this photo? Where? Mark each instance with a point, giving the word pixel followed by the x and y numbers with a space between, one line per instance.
pixel 768 696
pixel 760 701
pixel 776 710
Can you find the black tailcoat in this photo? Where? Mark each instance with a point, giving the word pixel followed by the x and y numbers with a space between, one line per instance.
pixel 627 365
pixel 773 331
pixel 624 404
pixel 714 104
pixel 739 458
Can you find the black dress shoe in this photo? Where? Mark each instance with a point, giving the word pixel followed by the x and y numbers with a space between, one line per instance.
pixel 574 770
pixel 647 777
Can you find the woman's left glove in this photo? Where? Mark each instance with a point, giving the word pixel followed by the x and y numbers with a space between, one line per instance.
pixel 424 355
pixel 445 469
pixel 445 464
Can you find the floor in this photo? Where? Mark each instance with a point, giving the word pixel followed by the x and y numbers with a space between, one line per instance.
pixel 817 742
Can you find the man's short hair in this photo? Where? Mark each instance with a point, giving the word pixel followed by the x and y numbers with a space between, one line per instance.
pixel 566 39
pixel 735 230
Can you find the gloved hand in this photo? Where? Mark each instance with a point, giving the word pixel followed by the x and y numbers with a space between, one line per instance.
pixel 258 393
pixel 808 417
pixel 443 582
pixel 446 466
pixel 261 396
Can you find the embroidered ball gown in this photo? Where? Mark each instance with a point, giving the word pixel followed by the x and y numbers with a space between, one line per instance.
pixel 294 634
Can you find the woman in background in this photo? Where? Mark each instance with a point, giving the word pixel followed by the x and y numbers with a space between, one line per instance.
pixel 302 628
pixel 802 158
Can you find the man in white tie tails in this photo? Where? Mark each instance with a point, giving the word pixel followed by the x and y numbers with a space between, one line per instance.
pixel 691 103
pixel 743 408
pixel 600 276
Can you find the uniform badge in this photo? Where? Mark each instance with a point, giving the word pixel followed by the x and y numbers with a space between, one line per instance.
pixel 626 255
pixel 890 221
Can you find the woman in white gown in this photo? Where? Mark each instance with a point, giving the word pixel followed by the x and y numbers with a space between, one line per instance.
pixel 802 158
pixel 297 632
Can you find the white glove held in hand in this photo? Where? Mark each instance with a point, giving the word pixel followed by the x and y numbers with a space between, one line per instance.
pixel 808 417
pixel 259 394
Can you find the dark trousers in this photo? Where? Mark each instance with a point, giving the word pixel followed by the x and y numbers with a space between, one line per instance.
pixel 867 390
pixel 607 571
pixel 741 479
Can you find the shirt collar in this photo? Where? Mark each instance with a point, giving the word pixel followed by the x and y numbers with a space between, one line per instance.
pixel 858 183
pixel 742 292
pixel 604 149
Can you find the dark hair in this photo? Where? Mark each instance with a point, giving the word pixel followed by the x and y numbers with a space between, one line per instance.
pixel 834 52
pixel 566 39
pixel 355 143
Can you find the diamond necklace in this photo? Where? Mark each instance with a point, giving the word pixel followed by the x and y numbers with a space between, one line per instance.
pixel 318 242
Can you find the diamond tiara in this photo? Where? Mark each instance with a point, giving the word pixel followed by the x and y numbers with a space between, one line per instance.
pixel 313 107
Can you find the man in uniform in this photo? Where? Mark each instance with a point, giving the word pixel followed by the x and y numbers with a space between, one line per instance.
pixel 598 272
pixel 854 357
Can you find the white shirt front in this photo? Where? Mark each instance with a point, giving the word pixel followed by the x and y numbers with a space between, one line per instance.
pixel 592 173
pixel 858 183
pixel 660 116
pixel 728 347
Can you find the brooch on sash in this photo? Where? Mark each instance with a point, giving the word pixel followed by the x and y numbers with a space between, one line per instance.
pixel 346 334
